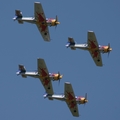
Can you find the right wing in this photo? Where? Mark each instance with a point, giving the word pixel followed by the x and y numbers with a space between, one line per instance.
pixel 41 21
pixel 94 48
pixel 70 99
pixel 44 76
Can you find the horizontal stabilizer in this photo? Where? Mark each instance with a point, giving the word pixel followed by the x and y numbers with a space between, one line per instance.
pixel 22 69
pixel 18 16
pixel 71 43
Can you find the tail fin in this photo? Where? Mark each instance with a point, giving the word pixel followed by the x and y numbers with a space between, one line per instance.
pixel 70 43
pixel 21 70
pixel 18 16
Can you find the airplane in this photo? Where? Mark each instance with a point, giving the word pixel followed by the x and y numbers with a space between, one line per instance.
pixel 69 98
pixel 40 20
pixel 42 73
pixel 92 46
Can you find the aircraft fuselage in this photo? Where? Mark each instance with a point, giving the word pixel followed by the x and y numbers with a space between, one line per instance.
pixel 50 22
pixel 52 76
pixel 102 49
pixel 79 100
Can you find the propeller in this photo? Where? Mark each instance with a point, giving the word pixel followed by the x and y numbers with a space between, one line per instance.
pixel 85 100
pixel 109 49
pixel 56 22
pixel 59 77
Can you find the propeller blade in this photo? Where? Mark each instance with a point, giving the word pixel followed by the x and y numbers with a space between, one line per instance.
pixel 59 77
pixel 85 99
pixel 108 53
pixel 109 49
pixel 108 45
pixel 86 96
pixel 56 19
pixel 59 82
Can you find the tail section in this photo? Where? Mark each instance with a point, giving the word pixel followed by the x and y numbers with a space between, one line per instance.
pixel 71 43
pixel 21 71
pixel 48 96
pixel 18 16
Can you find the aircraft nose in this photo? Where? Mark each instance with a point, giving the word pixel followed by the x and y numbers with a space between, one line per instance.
pixel 86 101
pixel 110 49
pixel 57 22
pixel 61 76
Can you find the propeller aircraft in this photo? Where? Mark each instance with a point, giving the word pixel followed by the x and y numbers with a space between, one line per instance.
pixel 42 73
pixel 92 46
pixel 40 20
pixel 69 98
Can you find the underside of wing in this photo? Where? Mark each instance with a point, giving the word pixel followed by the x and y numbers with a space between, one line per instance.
pixel 70 99
pixel 44 76
pixel 92 41
pixel 94 48
pixel 45 33
pixel 96 57
pixel 41 21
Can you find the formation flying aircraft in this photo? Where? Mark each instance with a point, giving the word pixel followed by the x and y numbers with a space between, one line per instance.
pixel 92 46
pixel 42 73
pixel 39 19
pixel 69 98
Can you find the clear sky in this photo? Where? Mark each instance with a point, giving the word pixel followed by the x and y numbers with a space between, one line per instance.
pixel 22 99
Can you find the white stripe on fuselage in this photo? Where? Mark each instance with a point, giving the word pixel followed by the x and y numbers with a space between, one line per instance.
pixel 28 19
pixel 36 75
pixel 31 74
pixel 58 97
pixel 80 46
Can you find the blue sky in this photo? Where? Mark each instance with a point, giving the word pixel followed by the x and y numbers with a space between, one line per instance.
pixel 22 99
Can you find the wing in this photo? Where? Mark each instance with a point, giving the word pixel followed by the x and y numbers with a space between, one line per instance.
pixel 41 21
pixel 94 48
pixel 44 76
pixel 70 99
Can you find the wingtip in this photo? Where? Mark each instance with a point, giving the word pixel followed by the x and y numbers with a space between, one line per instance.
pixel 90 31
pixel 67 83
pixel 37 2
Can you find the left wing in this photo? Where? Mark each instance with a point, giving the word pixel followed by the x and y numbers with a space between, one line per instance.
pixel 70 99
pixel 94 48
pixel 41 21
pixel 44 76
